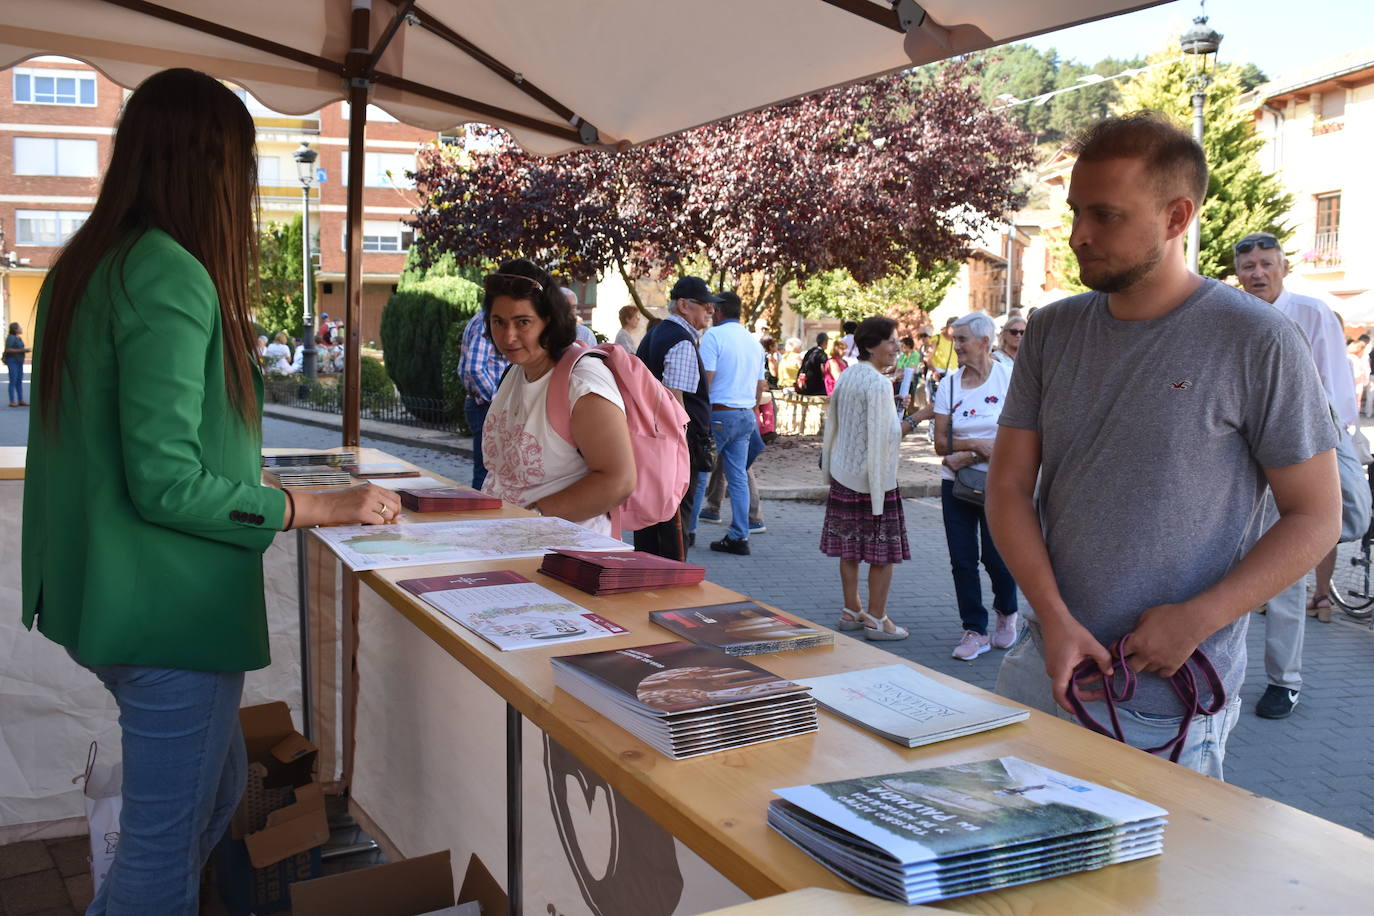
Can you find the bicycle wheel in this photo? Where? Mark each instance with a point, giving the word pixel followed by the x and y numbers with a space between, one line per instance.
pixel 1352 584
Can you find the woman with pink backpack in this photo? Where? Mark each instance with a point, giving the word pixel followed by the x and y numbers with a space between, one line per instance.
pixel 528 462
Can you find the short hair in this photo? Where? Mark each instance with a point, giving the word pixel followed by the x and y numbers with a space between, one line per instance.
pixel 979 325
pixel 560 327
pixel 729 305
pixel 793 344
pixel 569 294
pixel 872 331
pixel 768 343
pixel 1174 160
pixel 837 346
pixel 908 342
pixel 626 313
pixel 821 338
pixel 849 326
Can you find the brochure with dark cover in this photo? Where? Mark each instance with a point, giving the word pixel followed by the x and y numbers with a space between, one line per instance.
pixel 741 628
pixel 943 832
pixel 368 471
pixel 447 499
pixel 619 571
pixel 685 700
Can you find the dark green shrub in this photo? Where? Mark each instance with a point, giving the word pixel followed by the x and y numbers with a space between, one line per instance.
pixel 415 329
pixel 454 392
pixel 376 385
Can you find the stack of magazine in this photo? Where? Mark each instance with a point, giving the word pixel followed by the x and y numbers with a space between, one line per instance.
pixel 685 700
pixel 385 470
pixel 291 459
pixel 619 571
pixel 509 611
pixel 905 706
pixel 741 628
pixel 447 499
pixel 954 830
pixel 310 475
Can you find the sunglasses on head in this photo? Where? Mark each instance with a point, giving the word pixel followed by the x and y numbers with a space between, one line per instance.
pixel 1249 245
pixel 517 285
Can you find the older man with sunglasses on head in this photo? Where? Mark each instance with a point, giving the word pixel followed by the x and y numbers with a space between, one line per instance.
pixel 1261 268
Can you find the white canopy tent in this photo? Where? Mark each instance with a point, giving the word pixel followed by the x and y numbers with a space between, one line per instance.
pixel 559 74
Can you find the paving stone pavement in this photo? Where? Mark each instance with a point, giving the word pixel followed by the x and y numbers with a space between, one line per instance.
pixel 1320 759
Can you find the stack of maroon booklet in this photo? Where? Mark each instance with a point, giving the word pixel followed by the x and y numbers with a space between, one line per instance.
pixel 447 499
pixel 610 573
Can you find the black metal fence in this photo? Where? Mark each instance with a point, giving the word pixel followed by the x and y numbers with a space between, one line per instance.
pixel 389 406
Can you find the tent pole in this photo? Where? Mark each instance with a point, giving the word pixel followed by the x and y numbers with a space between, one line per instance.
pixel 358 85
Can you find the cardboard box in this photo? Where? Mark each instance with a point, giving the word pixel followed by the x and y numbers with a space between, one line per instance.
pixel 412 887
pixel 275 836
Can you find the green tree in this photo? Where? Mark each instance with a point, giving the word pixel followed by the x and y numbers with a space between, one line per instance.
pixel 904 297
pixel 280 277
pixel 1241 197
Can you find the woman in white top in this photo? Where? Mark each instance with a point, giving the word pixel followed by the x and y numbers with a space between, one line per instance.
pixel 967 406
pixel 863 513
pixel 277 356
pixel 528 463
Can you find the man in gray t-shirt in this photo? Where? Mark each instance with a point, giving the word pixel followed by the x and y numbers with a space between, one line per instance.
pixel 1153 413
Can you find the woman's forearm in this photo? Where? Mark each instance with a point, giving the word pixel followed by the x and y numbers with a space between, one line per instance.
pixel 591 496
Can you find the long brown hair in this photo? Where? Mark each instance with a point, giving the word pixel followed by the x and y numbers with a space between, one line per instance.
pixel 183 162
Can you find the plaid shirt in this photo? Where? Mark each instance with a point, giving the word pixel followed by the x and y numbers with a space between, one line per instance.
pixel 480 365
pixel 681 369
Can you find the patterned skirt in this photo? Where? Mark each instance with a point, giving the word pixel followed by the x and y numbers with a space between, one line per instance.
pixel 852 532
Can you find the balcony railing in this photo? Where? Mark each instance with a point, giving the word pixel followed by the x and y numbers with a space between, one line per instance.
pixel 1325 252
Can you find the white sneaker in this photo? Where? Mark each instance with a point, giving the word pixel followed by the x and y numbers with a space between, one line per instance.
pixel 971 646
pixel 1004 634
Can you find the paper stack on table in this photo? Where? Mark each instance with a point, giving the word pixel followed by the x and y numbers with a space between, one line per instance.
pixel 945 832
pixel 610 573
pixel 685 700
pixel 510 611
pixel 905 706
pixel 741 628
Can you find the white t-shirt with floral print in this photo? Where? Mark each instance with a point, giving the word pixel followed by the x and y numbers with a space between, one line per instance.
pixel 526 460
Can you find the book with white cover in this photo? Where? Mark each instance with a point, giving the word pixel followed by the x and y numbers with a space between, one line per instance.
pixel 509 611
pixel 905 706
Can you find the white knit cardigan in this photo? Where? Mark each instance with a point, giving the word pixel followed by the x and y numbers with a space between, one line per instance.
pixel 862 434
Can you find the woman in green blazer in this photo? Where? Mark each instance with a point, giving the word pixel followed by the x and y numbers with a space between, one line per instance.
pixel 145 518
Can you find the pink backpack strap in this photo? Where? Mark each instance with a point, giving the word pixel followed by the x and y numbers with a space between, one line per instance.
pixel 559 410
pixel 556 405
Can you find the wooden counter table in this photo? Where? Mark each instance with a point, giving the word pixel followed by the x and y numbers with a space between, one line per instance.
pixel 1225 850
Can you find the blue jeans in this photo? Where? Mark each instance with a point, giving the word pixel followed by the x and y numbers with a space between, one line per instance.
pixel 16 367
pixel 476 415
pixel 966 529
pixel 184 773
pixel 1022 678
pixel 734 432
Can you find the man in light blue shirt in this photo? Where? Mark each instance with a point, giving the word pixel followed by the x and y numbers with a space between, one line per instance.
pixel 733 362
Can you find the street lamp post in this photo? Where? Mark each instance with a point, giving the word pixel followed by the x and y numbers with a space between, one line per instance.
pixel 1202 41
pixel 305 168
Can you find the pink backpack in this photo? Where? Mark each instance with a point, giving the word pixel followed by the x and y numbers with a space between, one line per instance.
pixel 657 433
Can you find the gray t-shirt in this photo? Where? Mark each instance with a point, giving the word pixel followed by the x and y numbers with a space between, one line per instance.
pixel 1154 435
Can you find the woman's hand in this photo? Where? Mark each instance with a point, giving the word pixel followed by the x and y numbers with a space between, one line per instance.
pixel 956 460
pixel 367 504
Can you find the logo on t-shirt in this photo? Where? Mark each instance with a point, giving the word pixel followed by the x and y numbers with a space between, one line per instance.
pixel 1182 385
pixel 991 399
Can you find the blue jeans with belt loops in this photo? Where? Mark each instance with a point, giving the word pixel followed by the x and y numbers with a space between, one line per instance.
pixel 184 772
pixel 734 431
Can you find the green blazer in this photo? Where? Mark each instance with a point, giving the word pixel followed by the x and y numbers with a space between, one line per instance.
pixel 145 518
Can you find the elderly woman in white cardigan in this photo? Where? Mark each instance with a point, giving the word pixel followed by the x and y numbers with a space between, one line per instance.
pixel 863 514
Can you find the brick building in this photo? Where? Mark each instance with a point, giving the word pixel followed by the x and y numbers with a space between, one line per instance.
pixel 57 122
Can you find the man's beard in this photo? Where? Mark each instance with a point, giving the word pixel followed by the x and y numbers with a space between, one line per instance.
pixel 1123 280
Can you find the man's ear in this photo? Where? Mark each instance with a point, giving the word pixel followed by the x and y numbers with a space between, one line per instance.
pixel 1178 214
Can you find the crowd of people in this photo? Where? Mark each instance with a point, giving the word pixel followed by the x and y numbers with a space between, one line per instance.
pixel 1111 457
pixel 284 355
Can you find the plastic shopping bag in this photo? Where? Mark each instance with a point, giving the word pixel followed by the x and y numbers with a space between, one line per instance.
pixel 103 783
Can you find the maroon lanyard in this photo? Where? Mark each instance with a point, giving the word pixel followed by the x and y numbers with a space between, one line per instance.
pixel 1120 688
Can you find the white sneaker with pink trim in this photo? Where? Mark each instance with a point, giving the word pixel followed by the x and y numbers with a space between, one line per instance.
pixel 1004 634
pixel 971 646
